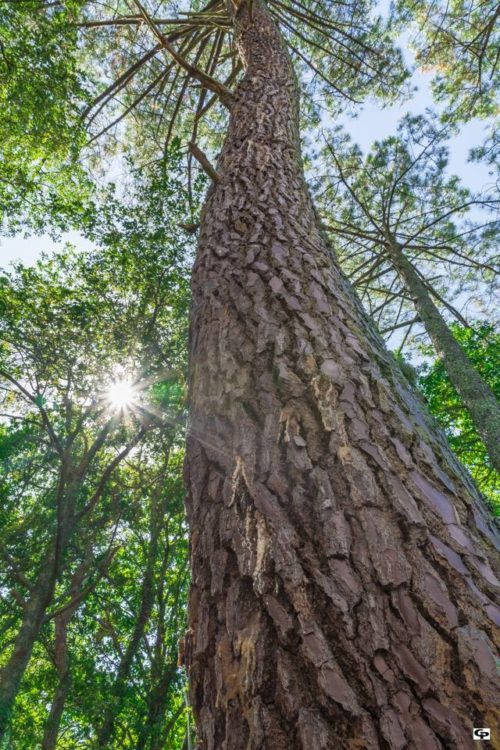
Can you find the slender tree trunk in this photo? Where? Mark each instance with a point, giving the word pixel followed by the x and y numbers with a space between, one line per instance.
pixel 146 604
pixel 161 735
pixel 11 674
pixel 41 596
pixel 153 734
pixel 43 588
pixel 53 723
pixel 341 583
pixel 477 396
pixel 163 669
pixel 62 657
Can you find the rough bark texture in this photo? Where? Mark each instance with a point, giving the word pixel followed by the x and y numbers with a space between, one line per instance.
pixel 342 591
pixel 477 396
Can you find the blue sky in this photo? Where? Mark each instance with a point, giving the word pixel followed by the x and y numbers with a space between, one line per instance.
pixel 374 123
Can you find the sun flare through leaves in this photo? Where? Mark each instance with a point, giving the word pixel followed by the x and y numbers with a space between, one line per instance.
pixel 121 395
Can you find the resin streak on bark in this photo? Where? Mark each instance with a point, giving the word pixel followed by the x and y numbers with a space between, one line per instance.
pixel 343 589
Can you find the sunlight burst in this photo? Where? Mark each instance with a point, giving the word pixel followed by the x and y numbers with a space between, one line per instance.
pixel 121 395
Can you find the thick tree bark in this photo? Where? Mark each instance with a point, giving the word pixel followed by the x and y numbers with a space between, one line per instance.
pixel 477 396
pixel 342 589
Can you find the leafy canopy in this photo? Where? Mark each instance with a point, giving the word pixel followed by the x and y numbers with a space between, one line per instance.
pixel 69 326
pixel 83 81
pixel 459 41
pixel 42 90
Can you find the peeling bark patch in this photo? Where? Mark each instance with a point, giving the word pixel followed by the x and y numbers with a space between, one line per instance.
pixel 338 689
pixel 436 592
pixel 388 558
pixel 437 500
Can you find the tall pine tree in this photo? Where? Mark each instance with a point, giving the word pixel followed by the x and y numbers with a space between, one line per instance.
pixel 342 583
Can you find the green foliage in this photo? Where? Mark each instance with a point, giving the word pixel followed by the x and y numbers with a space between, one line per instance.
pixel 402 192
pixel 347 46
pixel 77 72
pixel 72 72
pixel 42 90
pixel 488 152
pixel 482 345
pixel 69 326
pixel 459 42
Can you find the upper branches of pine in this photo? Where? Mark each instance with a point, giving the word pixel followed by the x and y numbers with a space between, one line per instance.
pixel 178 63
pixel 401 195
pixel 460 42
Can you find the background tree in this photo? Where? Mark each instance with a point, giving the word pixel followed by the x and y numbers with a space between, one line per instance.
pixel 76 331
pixel 150 711
pixel 483 348
pixel 407 221
pixel 459 41
pixel 42 90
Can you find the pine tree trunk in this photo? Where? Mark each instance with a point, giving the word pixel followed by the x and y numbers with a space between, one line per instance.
pixel 478 398
pixel 342 589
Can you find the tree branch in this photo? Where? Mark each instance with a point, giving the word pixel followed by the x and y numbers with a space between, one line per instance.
pixel 224 94
pixel 201 157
